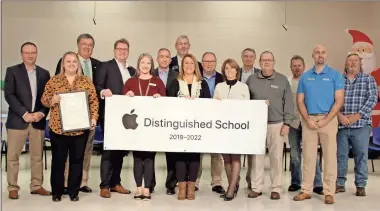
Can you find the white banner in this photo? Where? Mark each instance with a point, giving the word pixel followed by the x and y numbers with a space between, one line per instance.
pixel 170 124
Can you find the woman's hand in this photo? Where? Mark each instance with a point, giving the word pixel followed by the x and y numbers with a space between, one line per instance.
pixel 93 124
pixel 267 102
pixel 55 100
pixel 218 98
pixel 130 93
pixel 156 95
pixel 188 97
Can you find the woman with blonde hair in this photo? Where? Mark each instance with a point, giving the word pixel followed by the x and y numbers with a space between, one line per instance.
pixel 236 90
pixel 144 84
pixel 190 85
pixel 74 142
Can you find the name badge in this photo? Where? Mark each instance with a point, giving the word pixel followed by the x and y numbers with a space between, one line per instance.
pixel 150 84
pixel 274 86
pixel 311 79
pixel 326 79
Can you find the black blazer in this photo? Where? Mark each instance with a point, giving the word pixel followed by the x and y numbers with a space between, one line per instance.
pixel 95 65
pixel 18 95
pixel 255 70
pixel 218 78
pixel 109 77
pixel 174 65
pixel 172 75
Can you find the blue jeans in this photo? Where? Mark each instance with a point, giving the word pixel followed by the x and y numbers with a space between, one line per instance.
pixel 295 139
pixel 358 139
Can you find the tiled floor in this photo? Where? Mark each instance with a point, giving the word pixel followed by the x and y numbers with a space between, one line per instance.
pixel 205 199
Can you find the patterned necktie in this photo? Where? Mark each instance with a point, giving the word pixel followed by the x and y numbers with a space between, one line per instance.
pixel 87 69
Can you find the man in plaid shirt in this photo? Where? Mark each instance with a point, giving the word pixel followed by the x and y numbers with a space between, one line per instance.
pixel 355 122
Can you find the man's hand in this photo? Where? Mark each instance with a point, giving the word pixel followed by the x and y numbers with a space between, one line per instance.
pixel 37 116
pixel 312 124
pixel 343 119
pixel 284 130
pixel 321 123
pixel 352 118
pixel 107 93
pixel 28 117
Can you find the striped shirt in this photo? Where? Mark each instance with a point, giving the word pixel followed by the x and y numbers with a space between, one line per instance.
pixel 360 96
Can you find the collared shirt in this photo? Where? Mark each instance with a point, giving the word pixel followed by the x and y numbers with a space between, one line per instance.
pixel 360 96
pixel 245 74
pixel 179 59
pixel 124 71
pixel 296 116
pixel 319 89
pixel 83 63
pixel 32 75
pixel 163 74
pixel 211 82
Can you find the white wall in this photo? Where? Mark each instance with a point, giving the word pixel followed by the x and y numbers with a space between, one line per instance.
pixel 222 27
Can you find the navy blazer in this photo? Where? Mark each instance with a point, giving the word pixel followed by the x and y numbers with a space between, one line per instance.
pixel 174 65
pixel 95 65
pixel 18 95
pixel 172 75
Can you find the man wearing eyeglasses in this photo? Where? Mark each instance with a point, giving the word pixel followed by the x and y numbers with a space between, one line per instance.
pixel 212 77
pixel 110 80
pixel 85 44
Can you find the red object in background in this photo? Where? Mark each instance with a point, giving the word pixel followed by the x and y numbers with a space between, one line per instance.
pixel 376 109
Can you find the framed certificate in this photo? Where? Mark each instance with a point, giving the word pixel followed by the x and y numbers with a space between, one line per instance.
pixel 74 111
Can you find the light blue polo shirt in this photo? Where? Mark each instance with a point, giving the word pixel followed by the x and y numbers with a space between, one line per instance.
pixel 319 89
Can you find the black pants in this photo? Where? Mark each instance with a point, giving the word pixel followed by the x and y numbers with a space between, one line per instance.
pixel 187 166
pixel 110 166
pixel 171 178
pixel 61 146
pixel 143 166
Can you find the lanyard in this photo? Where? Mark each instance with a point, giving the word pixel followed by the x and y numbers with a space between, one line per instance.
pixel 147 89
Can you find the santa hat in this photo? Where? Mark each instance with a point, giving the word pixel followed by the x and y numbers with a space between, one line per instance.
pixel 359 37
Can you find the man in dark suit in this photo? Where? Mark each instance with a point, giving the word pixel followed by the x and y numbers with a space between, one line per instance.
pixel 182 45
pixel 24 85
pixel 212 77
pixel 85 43
pixel 248 56
pixel 110 80
pixel 167 75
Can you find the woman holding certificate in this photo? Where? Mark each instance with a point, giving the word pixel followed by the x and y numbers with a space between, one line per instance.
pixel 144 84
pixel 73 142
pixel 231 89
pixel 189 85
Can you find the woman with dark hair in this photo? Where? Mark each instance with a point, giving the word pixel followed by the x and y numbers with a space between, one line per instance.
pixel 231 89
pixel 190 85
pixel 144 84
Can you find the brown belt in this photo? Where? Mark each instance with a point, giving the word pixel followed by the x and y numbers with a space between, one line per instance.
pixel 317 114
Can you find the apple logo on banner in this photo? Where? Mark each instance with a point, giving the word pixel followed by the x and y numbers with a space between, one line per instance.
pixel 129 120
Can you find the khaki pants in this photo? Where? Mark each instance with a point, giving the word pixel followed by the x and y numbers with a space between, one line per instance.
pixel 86 160
pixel 249 169
pixel 275 144
pixel 216 170
pixel 310 138
pixel 16 142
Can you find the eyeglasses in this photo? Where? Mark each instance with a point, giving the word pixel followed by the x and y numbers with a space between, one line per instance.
pixel 122 49
pixel 266 60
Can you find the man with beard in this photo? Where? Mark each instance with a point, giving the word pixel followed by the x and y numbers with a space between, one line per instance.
pixel 297 66
pixel 320 96
pixel 355 123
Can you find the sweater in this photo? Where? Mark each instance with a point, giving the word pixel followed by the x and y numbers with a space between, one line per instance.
pixel 238 91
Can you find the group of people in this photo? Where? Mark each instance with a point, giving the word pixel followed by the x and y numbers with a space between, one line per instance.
pixel 321 106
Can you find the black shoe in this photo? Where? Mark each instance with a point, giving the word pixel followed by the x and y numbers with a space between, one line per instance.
pixel 74 198
pixel 56 198
pixel 146 198
pixel 65 192
pixel 218 189
pixel 151 189
pixel 170 191
pixel 228 198
pixel 196 188
pixel 223 196
pixel 138 197
pixel 85 189
pixel 294 187
pixel 318 190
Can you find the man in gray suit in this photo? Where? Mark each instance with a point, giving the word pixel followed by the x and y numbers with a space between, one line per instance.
pixel 167 75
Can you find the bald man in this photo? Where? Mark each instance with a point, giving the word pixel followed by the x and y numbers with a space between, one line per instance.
pixel 320 96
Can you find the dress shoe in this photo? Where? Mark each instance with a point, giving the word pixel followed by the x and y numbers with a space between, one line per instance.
pixel 340 189
pixel 253 194
pixel 360 191
pixel 105 193
pixel 329 199
pixel 56 198
pixel 120 189
pixel 41 191
pixel 218 189
pixel 13 194
pixel 318 190
pixel 74 198
pixel 170 191
pixel 302 196
pixel 274 196
pixel 146 197
pixel 151 189
pixel 65 192
pixel 85 189
pixel 294 187
pixel 196 188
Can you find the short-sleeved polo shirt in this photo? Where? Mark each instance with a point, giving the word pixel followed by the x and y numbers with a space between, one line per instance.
pixel 319 89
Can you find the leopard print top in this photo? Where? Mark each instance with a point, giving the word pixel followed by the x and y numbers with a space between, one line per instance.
pixel 59 83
